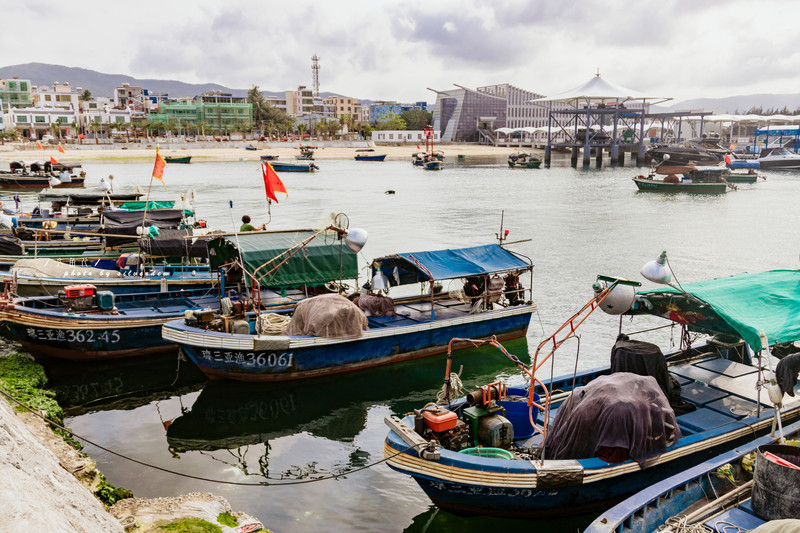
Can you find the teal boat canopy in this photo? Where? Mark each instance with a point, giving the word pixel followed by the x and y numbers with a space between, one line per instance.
pixel 743 305
pixel 448 264
pixel 323 259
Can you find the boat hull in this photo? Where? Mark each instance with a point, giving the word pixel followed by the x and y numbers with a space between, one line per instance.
pixel 433 165
pixel 741 178
pixel 780 164
pixel 288 167
pixel 183 160
pixel 38 182
pixel 370 157
pixel 222 355
pixel 649 185
pixel 525 164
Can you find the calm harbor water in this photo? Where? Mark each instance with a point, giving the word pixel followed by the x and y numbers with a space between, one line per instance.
pixel 580 223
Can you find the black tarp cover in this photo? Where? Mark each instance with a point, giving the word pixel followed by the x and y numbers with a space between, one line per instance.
pixel 175 243
pixel 10 245
pixel 126 222
pixel 643 358
pixel 619 411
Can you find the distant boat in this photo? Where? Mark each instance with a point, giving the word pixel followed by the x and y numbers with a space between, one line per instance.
pixel 695 179
pixel 294 167
pixel 178 159
pixel 523 160
pixel 367 154
pixel 778 159
pixel 19 181
pixel 250 147
pixel 269 157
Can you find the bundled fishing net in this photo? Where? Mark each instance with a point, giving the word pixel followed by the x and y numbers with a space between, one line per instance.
pixel 327 315
pixel 614 417
pixel 40 268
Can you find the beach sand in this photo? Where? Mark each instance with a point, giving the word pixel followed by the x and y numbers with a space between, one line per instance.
pixel 233 151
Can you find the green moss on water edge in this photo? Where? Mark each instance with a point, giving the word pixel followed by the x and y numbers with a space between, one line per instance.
pixel 190 525
pixel 109 494
pixel 227 519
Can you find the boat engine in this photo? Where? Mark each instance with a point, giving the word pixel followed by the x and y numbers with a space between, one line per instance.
pixel 77 297
pixel 443 426
pixel 486 417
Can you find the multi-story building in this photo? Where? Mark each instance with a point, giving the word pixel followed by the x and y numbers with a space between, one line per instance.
pixel 345 106
pixel 60 95
pixel 133 98
pixel 211 114
pixel 472 115
pixel 36 122
pixel 3 120
pixel 300 102
pixel 381 111
pixel 16 93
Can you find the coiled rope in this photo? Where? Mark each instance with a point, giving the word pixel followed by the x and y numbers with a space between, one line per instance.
pixel 271 323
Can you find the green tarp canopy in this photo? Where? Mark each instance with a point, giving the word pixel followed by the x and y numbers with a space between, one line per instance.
pixel 325 258
pixel 152 204
pixel 742 304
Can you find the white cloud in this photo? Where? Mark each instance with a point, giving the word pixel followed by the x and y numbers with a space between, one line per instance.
pixel 394 50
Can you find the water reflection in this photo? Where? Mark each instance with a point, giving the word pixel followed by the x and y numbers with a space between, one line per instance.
pixel 239 416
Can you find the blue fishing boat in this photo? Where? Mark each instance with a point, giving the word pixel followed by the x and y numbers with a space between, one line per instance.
pixel 269 157
pixel 580 442
pixel 373 329
pixel 294 167
pixel 367 154
pixel 721 494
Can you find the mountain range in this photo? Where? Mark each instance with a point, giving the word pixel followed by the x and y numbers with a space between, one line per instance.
pixel 103 85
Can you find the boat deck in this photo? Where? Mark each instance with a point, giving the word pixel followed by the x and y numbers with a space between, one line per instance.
pixel 420 312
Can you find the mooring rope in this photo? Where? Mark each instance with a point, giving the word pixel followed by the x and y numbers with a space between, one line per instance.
pixel 8 396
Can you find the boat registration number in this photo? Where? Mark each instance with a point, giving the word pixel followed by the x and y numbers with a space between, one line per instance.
pixel 250 359
pixel 107 336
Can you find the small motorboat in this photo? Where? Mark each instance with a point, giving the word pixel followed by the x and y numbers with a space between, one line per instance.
pixel 269 157
pixel 523 160
pixel 183 159
pixel 368 154
pixel 778 159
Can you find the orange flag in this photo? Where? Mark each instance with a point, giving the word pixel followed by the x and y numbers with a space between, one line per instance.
pixel 39 145
pixel 158 169
pixel 60 149
pixel 272 183
pixel 53 160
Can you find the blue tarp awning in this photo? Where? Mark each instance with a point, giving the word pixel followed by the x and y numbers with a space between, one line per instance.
pixel 448 264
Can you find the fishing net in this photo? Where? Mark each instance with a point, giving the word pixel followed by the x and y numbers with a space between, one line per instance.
pixel 614 417
pixel 327 315
pixel 50 268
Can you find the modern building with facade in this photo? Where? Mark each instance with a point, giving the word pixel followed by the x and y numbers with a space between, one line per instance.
pixel 402 136
pixel 300 102
pixel 36 122
pixel 60 95
pixel 472 115
pixel 211 114
pixel 382 111
pixel 344 106
pixel 15 93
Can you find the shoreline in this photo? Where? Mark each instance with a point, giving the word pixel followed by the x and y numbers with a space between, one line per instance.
pixel 235 151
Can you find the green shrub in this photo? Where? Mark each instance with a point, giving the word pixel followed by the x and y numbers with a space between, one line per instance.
pixel 190 525
pixel 227 519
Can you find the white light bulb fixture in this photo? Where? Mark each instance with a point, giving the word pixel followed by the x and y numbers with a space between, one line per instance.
pixel 657 270
pixel 356 239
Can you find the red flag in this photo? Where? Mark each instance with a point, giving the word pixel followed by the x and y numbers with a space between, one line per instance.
pixel 158 168
pixel 272 183
pixel 60 149
pixel 418 148
pixel 53 160
pixel 727 159
pixel 39 145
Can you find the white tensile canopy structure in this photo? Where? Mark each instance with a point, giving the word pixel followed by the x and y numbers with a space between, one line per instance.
pixel 599 91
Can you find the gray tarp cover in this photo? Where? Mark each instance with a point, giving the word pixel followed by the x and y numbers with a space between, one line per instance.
pixel 621 410
pixel 327 315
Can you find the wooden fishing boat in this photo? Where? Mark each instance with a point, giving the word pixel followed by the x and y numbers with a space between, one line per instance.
pixel 396 330
pixel 746 176
pixel 182 159
pixel 294 167
pixel 269 157
pixel 523 160
pixel 579 442
pixel 686 178
pixel 715 494
pixel 39 181
pixel 367 154
pixel 433 164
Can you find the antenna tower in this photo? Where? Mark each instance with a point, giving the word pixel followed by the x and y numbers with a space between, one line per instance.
pixel 315 74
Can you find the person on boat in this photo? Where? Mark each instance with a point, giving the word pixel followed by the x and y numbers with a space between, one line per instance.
pixel 64 176
pixel 246 226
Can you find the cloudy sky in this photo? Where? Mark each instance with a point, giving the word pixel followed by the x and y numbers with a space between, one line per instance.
pixel 395 50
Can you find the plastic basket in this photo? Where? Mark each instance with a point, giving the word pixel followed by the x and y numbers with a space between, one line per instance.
pixel 492 453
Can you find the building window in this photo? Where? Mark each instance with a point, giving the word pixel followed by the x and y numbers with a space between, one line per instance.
pixel 22 119
pixel 38 118
pixel 120 120
pixel 62 120
pixel 391 136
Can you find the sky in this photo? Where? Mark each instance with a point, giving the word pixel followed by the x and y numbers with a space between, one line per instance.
pixel 396 50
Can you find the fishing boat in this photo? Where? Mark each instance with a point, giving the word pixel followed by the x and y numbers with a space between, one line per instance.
pixel 376 330
pixel 737 177
pixel 368 154
pixel 250 147
pixel 294 167
pixel 687 178
pixel 580 442
pixel 39 180
pixel 523 160
pixel 183 159
pixel 269 157
pixel 717 494
pixel 306 153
